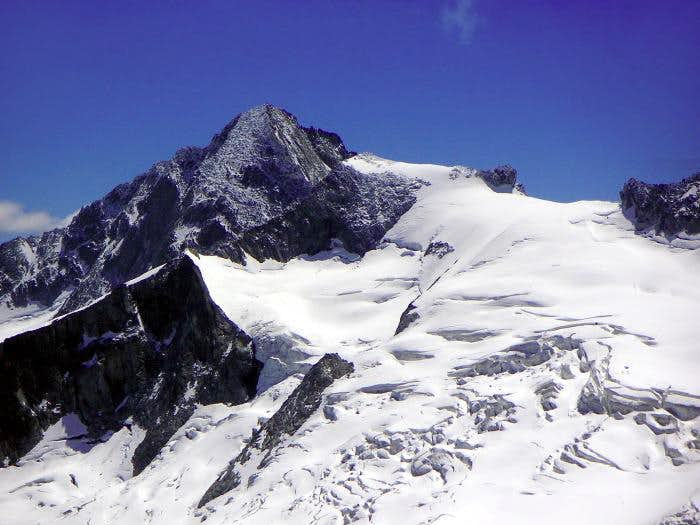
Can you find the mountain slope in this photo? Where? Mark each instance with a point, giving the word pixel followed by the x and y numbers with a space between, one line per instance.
pixel 545 370
pixel 141 358
pixel 261 164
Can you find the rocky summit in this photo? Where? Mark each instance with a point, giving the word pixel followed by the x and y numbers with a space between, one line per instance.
pixel 667 209
pixel 276 329
pixel 261 170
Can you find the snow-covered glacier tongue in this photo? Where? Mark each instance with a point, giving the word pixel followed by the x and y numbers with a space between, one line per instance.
pixel 437 347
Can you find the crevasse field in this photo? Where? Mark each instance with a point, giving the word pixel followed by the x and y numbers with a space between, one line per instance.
pixel 536 333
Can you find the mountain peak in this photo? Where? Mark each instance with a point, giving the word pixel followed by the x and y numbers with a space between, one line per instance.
pixel 263 116
pixel 261 169
pixel 267 143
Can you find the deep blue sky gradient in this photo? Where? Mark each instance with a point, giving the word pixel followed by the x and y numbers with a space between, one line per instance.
pixel 578 96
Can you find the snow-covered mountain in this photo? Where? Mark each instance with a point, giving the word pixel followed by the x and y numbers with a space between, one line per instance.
pixel 436 346
pixel 221 199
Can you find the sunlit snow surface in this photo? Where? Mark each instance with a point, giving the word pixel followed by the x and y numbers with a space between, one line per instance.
pixel 521 269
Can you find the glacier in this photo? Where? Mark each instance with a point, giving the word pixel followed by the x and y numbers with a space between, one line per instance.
pixel 515 360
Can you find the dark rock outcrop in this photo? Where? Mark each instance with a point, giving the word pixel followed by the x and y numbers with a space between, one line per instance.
pixel 408 316
pixel 439 249
pixel 347 205
pixel 294 412
pixel 328 145
pixel 667 209
pixel 502 179
pixel 145 354
pixel 265 184
pixel 500 176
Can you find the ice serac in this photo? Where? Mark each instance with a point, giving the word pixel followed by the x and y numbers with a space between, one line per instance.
pixel 299 406
pixel 262 173
pixel 667 209
pixel 145 355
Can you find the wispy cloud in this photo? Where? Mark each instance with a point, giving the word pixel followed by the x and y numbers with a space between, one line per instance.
pixel 458 17
pixel 15 219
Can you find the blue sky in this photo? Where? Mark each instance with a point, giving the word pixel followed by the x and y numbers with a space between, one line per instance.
pixel 578 96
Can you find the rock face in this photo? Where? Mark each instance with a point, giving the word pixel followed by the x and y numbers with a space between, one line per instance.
pixel 299 406
pixel 347 205
pixel 439 249
pixel 264 184
pixel 502 178
pixel 663 208
pixel 408 316
pixel 145 354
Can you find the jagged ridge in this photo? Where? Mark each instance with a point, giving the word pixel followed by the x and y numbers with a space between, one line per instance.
pixel 145 354
pixel 663 208
pixel 262 164
pixel 297 408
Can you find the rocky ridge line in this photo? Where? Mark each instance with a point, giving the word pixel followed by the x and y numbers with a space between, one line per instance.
pixel 144 355
pixel 668 209
pixel 262 168
pixel 297 408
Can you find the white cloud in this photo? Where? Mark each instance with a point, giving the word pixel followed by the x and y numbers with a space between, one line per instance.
pixel 458 16
pixel 14 219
